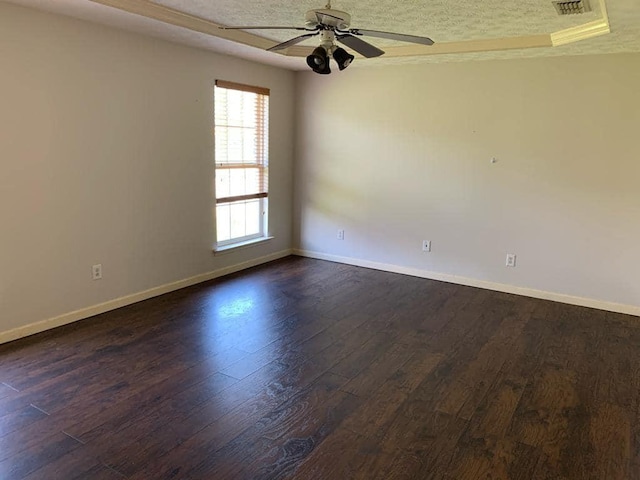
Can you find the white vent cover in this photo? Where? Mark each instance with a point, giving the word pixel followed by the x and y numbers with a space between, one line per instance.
pixel 572 7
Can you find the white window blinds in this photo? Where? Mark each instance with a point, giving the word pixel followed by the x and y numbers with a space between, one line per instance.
pixel 242 160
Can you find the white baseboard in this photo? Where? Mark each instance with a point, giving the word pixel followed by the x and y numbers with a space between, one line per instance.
pixel 87 312
pixel 472 282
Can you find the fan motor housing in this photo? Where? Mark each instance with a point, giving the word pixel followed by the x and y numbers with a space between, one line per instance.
pixel 332 18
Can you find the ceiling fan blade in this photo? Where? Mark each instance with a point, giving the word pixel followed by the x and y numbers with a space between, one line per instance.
pixel 363 48
pixel 401 37
pixel 269 28
pixel 293 41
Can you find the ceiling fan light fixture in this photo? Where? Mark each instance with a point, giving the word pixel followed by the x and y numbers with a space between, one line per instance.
pixel 342 58
pixel 318 61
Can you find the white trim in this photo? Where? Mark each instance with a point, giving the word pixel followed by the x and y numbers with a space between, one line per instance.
pixel 473 282
pixel 87 312
pixel 581 32
pixel 231 247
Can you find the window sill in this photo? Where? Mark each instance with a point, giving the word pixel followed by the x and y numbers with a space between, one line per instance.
pixel 238 246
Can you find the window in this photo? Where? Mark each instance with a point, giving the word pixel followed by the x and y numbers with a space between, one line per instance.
pixel 242 160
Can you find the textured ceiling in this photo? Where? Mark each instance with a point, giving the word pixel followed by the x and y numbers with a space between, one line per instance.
pixel 442 20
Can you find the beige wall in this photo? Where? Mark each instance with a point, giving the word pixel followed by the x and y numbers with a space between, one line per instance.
pixel 106 157
pixel 401 154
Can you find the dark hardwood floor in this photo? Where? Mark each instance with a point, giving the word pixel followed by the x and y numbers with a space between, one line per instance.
pixel 313 370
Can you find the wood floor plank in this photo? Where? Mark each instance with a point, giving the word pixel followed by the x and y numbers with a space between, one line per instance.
pixel 524 464
pixel 6 391
pixel 75 464
pixel 374 418
pixel 339 456
pixel 217 421
pixel 495 416
pixel 20 418
pixel 148 406
pixel 422 447
pixel 610 435
pixel 481 458
pixel 544 416
pixel 22 464
pixel 174 422
pixel 378 370
pixel 28 437
pixel 292 437
pixel 300 412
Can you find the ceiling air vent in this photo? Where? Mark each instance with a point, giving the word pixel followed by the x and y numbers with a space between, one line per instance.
pixel 572 7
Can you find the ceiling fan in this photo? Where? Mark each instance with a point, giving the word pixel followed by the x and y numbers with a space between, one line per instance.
pixel 334 25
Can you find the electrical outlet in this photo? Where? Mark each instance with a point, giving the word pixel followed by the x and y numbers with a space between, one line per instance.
pixel 511 259
pixel 340 235
pixel 96 271
pixel 426 245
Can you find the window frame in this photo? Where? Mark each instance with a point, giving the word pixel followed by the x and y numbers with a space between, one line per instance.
pixel 261 163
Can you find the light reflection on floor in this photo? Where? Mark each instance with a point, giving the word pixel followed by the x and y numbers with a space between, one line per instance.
pixel 228 310
pixel 236 313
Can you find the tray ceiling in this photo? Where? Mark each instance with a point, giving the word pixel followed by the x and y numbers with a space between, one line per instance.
pixel 462 29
